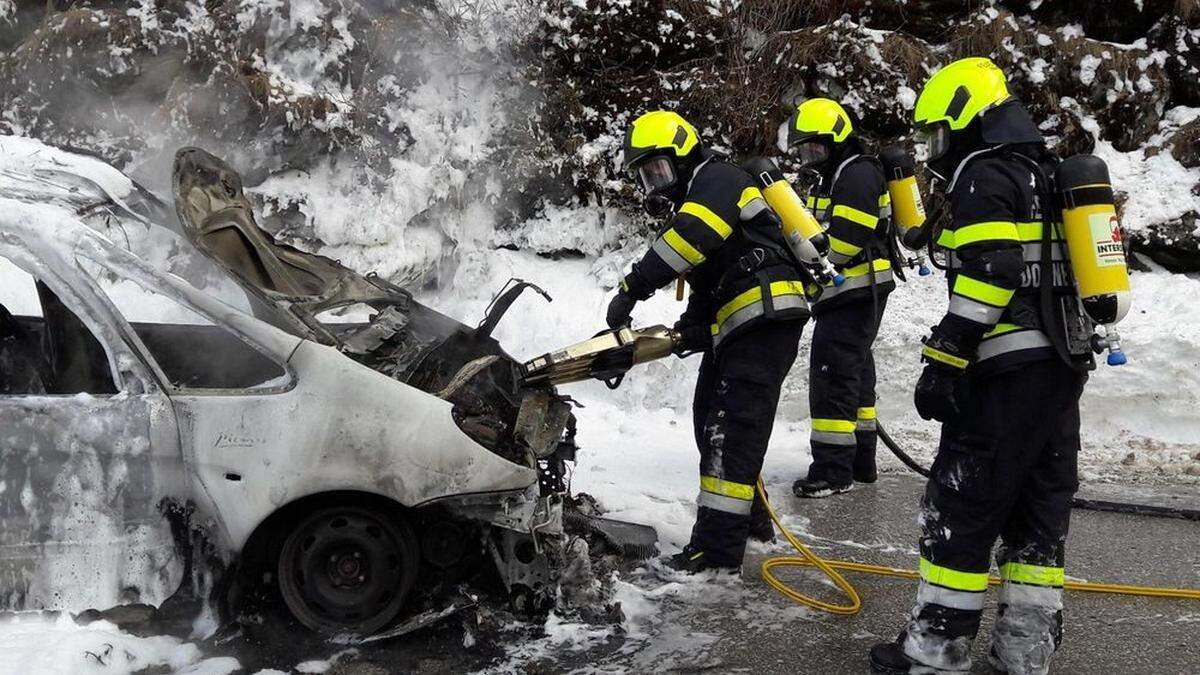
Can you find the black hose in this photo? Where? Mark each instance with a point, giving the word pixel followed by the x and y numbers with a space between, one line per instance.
pixel 1077 502
pixel 900 454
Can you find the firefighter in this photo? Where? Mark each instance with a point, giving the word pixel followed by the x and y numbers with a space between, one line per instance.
pixel 851 200
pixel 745 314
pixel 1004 379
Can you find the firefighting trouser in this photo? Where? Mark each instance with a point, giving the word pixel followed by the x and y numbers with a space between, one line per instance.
pixel 1005 468
pixel 733 412
pixel 841 392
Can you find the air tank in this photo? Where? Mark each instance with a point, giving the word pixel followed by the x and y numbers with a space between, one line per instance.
pixel 908 211
pixel 1095 247
pixel 801 231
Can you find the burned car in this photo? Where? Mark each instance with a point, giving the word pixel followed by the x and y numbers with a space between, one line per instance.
pixel 156 438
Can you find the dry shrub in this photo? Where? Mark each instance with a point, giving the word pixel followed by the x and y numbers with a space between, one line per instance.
pixel 1181 43
pixel 1188 11
pixel 1122 21
pixel 1126 87
pixel 1185 144
pixel 873 73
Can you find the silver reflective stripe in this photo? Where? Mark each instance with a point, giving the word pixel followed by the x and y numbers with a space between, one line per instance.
pixel 1012 342
pixel 1033 252
pixel 833 437
pixel 733 505
pixel 929 594
pixel 839 258
pixel 975 310
pixel 864 281
pixel 885 211
pixel 669 256
pixel 864 425
pixel 752 208
pixel 1012 593
pixel 953 262
pixel 755 310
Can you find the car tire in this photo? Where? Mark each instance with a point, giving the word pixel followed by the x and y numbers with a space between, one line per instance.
pixel 348 569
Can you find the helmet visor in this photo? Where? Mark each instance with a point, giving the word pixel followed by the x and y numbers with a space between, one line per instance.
pixel 936 139
pixel 811 152
pixel 655 174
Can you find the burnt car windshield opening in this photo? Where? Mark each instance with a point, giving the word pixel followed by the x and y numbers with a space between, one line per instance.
pixel 45 349
pixel 191 350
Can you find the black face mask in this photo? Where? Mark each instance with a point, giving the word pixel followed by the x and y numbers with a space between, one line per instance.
pixel 662 184
pixel 658 205
pixel 959 144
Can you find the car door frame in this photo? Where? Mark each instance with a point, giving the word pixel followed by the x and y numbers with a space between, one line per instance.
pixel 143 476
pixel 212 517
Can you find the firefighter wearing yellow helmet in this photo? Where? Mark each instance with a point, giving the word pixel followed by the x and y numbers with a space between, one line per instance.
pixel 745 315
pixel 851 201
pixel 1003 377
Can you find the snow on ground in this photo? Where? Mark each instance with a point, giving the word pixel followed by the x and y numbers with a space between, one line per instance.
pixel 45 645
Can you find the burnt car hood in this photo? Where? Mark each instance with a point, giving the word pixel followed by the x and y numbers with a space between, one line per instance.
pixel 404 339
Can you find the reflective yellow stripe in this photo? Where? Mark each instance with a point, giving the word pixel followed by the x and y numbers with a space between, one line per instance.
pixel 748 195
pixel 995 230
pixel 747 298
pixel 982 291
pixel 854 215
pixel 953 579
pixel 946 239
pixel 845 248
pixel 711 219
pixel 817 202
pixel 942 357
pixel 1032 574
pixel 866 413
pixel 1030 232
pixel 680 246
pixel 885 199
pixel 837 426
pixel 880 265
pixel 726 488
pixel 1001 329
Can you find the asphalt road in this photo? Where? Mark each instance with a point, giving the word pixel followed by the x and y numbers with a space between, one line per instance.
pixel 741 626
pixel 1104 633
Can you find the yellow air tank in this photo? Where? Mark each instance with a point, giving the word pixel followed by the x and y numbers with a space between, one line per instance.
pixel 1094 247
pixel 908 211
pixel 801 231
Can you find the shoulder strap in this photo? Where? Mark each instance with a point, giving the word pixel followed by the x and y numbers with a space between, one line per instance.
pixel 845 163
pixel 1046 282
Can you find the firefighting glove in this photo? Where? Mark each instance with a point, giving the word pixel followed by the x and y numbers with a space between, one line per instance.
pixel 935 396
pixel 619 309
pixel 693 338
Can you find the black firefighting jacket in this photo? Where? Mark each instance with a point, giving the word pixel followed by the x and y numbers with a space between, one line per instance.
pixel 731 249
pixel 852 202
pixel 999 198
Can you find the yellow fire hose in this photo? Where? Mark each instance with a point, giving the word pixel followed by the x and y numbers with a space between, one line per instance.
pixel 830 568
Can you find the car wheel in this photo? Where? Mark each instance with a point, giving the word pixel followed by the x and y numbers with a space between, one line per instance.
pixel 348 569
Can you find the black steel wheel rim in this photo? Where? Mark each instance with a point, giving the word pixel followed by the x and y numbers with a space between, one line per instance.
pixel 347 569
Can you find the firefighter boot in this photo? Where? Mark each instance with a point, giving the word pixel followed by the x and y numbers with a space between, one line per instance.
pixel 693 561
pixel 816 489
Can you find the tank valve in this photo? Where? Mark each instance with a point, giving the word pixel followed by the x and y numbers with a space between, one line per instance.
pixel 1111 341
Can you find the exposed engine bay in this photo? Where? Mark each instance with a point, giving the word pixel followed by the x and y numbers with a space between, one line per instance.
pixel 402 339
